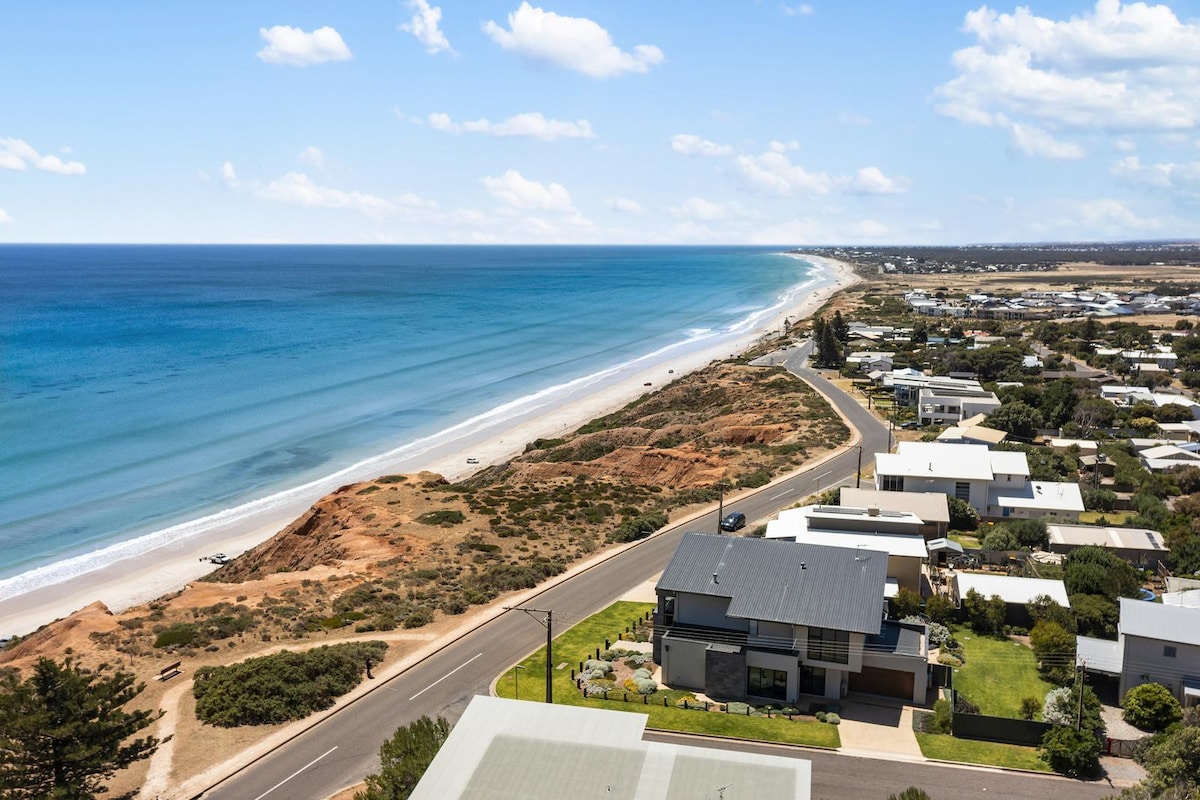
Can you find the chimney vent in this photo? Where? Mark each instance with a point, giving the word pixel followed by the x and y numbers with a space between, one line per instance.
pixel 715 578
pixel 872 511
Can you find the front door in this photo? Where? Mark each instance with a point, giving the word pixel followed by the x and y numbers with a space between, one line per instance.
pixel 812 680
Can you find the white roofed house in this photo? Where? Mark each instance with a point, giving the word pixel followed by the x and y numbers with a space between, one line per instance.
pixel 1156 643
pixel 1016 592
pixel 944 406
pixel 896 533
pixel 931 507
pixel 769 621
pixel 1167 457
pixel 512 750
pixel 995 483
pixel 1139 546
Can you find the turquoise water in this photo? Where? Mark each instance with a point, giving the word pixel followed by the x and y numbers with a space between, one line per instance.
pixel 142 387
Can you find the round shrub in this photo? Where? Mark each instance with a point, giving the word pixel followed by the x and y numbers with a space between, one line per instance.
pixel 821 716
pixel 833 719
pixel 938 634
pixel 593 664
pixel 738 708
pixel 645 685
pixel 641 673
pixel 1151 706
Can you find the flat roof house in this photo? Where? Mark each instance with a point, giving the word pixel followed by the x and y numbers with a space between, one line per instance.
pixel 893 532
pixel 994 482
pixel 512 750
pixel 931 507
pixel 769 621
pixel 1156 643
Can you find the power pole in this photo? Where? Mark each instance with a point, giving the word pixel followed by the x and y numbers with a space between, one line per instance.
pixel 858 475
pixel 720 506
pixel 548 624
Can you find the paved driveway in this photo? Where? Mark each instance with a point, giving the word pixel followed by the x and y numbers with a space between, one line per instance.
pixel 881 730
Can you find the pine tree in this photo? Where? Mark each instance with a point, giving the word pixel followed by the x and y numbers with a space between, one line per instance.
pixel 404 759
pixel 840 329
pixel 63 731
pixel 829 352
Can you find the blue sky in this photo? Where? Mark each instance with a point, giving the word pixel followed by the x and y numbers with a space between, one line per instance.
pixel 599 122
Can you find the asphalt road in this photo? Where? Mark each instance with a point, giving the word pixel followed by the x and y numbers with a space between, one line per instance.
pixel 342 749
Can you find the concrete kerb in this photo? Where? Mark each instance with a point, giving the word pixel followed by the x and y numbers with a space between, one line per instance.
pixel 494 610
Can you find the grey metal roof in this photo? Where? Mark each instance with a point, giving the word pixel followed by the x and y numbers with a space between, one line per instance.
pixel 1156 621
pixel 779 581
pixel 895 637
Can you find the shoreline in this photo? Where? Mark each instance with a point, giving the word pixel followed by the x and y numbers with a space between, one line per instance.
pixel 167 568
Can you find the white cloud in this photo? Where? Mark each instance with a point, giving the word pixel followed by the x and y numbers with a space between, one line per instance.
pixel 626 206
pixel 869 229
pixel 798 10
pixel 871 180
pixel 1120 67
pixel 516 191
pixel 774 173
pixel 296 188
pixel 295 48
pixel 692 145
pixel 312 155
pixel 1183 179
pixel 229 176
pixel 1033 141
pixel 424 25
pixel 1111 216
pixel 1124 145
pixel 783 147
pixel 5 219
pixel 532 125
pixel 19 155
pixel 701 210
pixel 574 43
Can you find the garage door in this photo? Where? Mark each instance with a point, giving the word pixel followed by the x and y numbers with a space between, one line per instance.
pixel 875 680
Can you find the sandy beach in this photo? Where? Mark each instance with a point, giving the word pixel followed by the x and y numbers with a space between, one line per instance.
pixel 168 568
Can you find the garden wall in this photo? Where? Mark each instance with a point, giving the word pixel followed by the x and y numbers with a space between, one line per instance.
pixel 999 729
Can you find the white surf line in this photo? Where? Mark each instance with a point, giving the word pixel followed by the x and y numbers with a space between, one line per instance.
pixel 439 680
pixel 297 772
pixel 781 494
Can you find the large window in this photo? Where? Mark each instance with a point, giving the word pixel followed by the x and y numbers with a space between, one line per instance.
pixel 962 490
pixel 826 644
pixel 891 483
pixel 763 682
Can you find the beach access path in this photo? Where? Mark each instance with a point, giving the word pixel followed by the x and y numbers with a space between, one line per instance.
pixel 337 751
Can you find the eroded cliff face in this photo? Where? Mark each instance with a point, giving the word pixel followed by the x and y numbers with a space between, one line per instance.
pixel 402 549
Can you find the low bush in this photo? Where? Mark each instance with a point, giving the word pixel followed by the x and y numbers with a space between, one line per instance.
pixel 283 686
pixel 833 719
pixel 638 527
pixel 1069 752
pixel 1151 707
pixel 443 516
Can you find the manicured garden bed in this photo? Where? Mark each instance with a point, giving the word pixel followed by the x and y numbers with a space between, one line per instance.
pixel 580 642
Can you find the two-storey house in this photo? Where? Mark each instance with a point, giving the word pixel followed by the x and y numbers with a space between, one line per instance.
pixel 771 621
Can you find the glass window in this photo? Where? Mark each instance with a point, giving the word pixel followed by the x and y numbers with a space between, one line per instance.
pixel 763 682
pixel 825 644
pixel 1169 651
pixel 962 490
pixel 892 483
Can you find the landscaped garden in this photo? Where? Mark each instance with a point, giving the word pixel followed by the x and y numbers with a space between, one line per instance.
pixel 665 708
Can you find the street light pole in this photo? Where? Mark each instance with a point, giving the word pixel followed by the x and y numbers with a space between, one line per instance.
pixel 858 475
pixel 516 682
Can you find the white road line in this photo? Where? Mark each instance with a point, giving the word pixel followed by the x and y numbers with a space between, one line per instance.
pixel 297 772
pixel 781 494
pixel 823 474
pixel 439 680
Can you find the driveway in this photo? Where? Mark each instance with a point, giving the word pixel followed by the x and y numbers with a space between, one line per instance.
pixel 881 730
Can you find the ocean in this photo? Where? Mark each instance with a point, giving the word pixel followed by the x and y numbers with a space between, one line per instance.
pixel 146 391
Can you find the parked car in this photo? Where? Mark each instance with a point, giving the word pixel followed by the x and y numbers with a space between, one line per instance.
pixel 733 521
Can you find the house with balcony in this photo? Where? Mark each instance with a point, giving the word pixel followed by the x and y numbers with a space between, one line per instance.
pixel 995 483
pixel 938 405
pixel 1156 643
pixel 896 533
pixel 772 621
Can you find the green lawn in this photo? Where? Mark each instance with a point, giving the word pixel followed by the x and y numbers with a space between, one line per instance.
pixel 997 674
pixel 968 751
pixel 579 644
